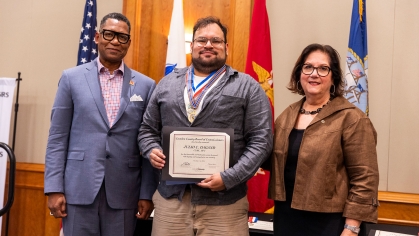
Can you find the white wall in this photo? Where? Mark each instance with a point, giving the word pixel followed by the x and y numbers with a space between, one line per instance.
pixel 403 144
pixel 393 41
pixel 39 38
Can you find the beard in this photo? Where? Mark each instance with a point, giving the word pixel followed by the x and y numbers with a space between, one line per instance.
pixel 206 67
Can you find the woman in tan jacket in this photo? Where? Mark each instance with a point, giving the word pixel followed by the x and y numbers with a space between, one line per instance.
pixel 324 176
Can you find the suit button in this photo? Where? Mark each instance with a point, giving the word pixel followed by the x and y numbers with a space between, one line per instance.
pixel 109 133
pixel 107 156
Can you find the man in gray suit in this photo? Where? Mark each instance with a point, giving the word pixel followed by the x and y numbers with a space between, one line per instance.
pixel 95 176
pixel 208 94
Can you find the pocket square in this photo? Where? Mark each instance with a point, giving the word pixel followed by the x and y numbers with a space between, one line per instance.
pixel 136 98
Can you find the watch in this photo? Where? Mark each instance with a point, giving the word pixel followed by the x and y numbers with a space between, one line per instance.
pixel 352 228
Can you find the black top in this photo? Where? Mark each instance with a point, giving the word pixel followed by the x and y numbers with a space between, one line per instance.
pixel 290 222
pixel 295 138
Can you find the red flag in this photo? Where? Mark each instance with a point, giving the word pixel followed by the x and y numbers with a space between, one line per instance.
pixel 61 229
pixel 259 66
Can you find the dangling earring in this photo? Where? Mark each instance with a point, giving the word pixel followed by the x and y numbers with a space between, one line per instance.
pixel 299 90
pixel 334 90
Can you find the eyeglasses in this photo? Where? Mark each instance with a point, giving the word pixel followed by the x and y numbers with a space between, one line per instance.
pixel 202 41
pixel 322 71
pixel 110 35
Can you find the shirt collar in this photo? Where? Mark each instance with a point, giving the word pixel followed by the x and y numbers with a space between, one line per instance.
pixel 100 67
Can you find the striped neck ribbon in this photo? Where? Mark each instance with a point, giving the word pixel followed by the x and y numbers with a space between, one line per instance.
pixel 195 94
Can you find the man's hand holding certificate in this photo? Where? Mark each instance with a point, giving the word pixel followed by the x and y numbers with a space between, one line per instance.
pixel 214 182
pixel 157 158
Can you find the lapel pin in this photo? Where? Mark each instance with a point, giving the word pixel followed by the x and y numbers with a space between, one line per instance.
pixel 131 82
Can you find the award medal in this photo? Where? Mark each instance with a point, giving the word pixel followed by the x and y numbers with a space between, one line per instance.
pixel 195 94
pixel 191 113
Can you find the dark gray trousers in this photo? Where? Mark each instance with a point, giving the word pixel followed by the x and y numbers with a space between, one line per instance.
pixel 98 219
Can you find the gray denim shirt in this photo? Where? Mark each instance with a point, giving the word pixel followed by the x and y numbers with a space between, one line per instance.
pixel 237 101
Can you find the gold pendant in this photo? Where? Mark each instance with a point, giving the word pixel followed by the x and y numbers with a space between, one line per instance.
pixel 191 113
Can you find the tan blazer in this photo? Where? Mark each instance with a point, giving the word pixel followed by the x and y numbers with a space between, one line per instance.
pixel 337 168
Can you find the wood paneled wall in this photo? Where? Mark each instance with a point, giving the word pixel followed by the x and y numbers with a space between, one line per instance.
pixel 150 23
pixel 29 214
pixel 398 208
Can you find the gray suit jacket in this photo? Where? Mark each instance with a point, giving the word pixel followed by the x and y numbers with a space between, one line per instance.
pixel 83 151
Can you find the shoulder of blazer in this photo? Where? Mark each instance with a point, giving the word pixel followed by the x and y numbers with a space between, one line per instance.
pixel 289 115
pixel 135 75
pixel 340 104
pixel 84 68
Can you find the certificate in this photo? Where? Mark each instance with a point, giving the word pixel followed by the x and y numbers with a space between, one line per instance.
pixel 193 154
pixel 385 233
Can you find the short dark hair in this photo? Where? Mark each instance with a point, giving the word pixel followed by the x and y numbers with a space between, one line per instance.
pixel 116 16
pixel 337 75
pixel 203 22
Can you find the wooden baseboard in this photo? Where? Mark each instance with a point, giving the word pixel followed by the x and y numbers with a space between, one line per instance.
pixel 29 214
pixel 398 208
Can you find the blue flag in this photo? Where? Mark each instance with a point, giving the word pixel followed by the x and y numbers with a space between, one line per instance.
pixel 356 71
pixel 87 46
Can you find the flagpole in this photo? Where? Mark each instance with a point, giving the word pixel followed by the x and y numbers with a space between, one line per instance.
pixel 13 142
pixel 16 110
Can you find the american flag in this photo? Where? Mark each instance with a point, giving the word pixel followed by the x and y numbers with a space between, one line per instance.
pixel 87 46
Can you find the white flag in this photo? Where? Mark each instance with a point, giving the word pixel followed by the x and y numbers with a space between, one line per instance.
pixel 7 90
pixel 176 57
